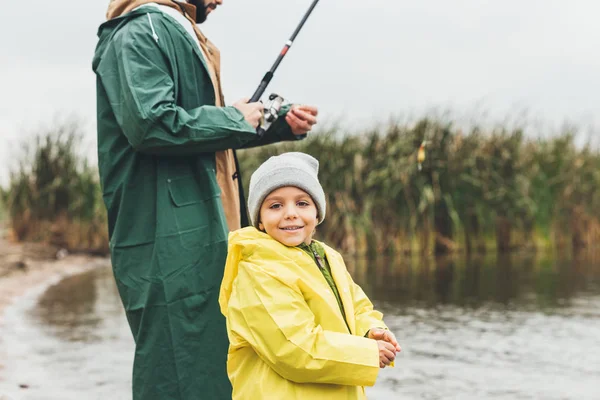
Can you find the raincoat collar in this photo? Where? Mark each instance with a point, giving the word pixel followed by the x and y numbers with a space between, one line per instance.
pixel 304 246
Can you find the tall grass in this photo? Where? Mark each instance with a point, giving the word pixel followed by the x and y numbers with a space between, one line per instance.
pixel 480 190
pixel 54 195
pixel 2 207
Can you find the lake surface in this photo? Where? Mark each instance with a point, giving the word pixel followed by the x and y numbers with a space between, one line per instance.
pixel 520 327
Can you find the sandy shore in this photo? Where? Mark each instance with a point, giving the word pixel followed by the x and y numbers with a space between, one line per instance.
pixel 24 267
pixel 17 282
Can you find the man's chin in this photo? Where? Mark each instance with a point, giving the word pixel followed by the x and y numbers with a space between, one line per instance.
pixel 201 10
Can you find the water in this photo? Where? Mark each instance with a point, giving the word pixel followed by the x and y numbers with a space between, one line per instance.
pixel 519 327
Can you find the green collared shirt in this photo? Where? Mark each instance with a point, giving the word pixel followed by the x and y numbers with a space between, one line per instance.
pixel 317 253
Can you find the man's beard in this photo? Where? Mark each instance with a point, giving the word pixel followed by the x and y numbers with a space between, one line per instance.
pixel 201 9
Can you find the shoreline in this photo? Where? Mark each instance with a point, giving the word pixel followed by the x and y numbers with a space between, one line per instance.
pixel 27 267
pixel 18 283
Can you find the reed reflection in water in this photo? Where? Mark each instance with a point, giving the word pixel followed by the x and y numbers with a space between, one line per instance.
pixel 518 326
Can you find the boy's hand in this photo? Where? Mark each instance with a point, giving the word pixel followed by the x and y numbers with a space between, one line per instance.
pixel 386 336
pixel 387 353
pixel 301 119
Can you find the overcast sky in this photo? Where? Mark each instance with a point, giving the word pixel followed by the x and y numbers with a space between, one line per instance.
pixel 361 61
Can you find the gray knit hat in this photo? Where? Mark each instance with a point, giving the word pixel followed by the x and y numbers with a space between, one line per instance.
pixel 288 169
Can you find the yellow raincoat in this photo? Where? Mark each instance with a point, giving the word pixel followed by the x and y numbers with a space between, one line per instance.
pixel 288 338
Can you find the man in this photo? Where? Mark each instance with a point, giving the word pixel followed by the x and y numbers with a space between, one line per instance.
pixel 171 187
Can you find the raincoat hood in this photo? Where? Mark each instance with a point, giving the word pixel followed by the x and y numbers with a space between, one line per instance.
pixel 120 12
pixel 243 243
pixel 117 8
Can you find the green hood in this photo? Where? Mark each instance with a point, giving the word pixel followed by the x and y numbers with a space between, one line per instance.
pixel 108 29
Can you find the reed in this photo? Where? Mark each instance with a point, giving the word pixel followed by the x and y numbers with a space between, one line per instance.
pixel 479 190
pixel 494 189
pixel 53 194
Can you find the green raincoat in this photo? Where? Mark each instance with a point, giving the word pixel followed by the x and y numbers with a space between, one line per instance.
pixel 158 130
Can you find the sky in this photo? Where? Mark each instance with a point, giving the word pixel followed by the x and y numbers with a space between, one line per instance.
pixel 360 62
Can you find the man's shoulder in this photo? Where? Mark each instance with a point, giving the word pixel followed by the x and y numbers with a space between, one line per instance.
pixel 144 21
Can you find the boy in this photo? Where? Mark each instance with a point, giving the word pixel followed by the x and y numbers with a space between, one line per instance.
pixel 299 327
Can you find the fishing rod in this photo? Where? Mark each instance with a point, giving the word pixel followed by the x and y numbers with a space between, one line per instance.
pixel 275 101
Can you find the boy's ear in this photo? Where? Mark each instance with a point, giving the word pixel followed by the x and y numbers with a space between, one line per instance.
pixel 261 227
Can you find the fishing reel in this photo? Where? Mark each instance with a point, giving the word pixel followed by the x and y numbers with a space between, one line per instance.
pixel 271 113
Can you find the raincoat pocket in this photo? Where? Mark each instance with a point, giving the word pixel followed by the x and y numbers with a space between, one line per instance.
pixel 196 208
pixel 128 231
pixel 186 190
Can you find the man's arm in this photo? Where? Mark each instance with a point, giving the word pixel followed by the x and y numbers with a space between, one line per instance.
pixel 140 88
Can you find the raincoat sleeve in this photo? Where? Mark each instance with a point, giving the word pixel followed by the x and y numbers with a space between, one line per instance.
pixel 276 321
pixel 365 316
pixel 141 92
pixel 278 132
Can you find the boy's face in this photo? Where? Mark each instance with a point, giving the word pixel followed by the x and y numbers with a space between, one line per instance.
pixel 288 215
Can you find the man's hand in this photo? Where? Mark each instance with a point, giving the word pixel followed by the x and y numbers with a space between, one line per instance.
pixel 252 112
pixel 386 336
pixel 301 118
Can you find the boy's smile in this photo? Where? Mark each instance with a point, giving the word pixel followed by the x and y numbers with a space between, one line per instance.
pixel 289 215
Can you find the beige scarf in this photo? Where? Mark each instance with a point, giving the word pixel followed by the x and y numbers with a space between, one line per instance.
pixel 225 161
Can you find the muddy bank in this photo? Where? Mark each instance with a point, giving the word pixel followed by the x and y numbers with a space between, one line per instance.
pixel 25 267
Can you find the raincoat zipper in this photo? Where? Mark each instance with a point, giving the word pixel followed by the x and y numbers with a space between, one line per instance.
pixel 318 258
